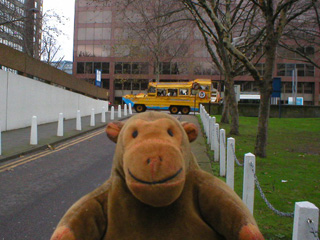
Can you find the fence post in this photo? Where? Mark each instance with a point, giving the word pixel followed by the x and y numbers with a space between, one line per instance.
pixel 212 123
pixel 248 180
pixel 103 115
pixel 125 111
pixel 112 113
pixel 92 118
pixel 34 131
pixel 78 121
pixel 207 124
pixel 130 109
pixel 0 141
pixel 230 162
pixel 209 130
pixel 119 111
pixel 216 142
pixel 222 152
pixel 306 220
pixel 60 125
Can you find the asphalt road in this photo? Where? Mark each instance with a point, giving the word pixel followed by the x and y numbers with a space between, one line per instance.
pixel 35 195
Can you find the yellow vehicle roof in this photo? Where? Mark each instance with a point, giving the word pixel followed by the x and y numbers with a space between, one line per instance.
pixel 179 84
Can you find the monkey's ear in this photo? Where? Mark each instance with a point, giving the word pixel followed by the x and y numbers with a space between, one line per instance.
pixel 191 130
pixel 113 130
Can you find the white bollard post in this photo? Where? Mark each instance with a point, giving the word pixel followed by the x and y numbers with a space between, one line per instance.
pixel 248 180
pixel 0 141
pixel 78 121
pixel 112 113
pixel 216 142
pixel 222 152
pixel 107 110
pixel 92 118
pixel 212 123
pixel 34 131
pixel 125 111
pixel 209 131
pixel 60 125
pixel 306 216
pixel 119 111
pixel 207 124
pixel 230 162
pixel 130 109
pixel 103 115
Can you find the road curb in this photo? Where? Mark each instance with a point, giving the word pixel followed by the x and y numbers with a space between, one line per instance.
pixel 63 139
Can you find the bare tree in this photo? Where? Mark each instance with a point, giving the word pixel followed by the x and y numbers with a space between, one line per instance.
pixel 274 17
pixel 155 30
pixel 51 30
pixel 234 18
pixel 16 26
pixel 301 39
pixel 268 22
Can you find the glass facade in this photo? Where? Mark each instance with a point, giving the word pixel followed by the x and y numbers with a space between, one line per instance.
pixel 109 39
pixel 303 70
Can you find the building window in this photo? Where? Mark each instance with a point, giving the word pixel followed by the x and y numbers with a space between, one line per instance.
pixel 205 68
pixel 90 67
pixel 144 84
pixel 105 83
pixel 172 68
pixel 260 67
pixel 306 50
pixel 80 67
pixel 308 88
pixel 131 84
pixel 286 69
pixel 131 68
pixel 117 84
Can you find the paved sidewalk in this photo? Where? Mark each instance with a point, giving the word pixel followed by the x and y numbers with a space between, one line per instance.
pixel 16 143
pixel 199 146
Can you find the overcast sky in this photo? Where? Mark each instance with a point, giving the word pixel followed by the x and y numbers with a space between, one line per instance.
pixel 63 8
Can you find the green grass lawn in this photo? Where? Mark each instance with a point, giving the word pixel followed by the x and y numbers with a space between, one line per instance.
pixel 293 155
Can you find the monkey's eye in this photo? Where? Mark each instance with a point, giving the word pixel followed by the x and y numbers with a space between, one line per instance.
pixel 135 134
pixel 170 132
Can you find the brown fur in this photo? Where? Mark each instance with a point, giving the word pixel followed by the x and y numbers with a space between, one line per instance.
pixel 157 191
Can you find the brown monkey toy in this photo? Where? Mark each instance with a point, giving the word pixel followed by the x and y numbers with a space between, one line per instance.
pixel 157 191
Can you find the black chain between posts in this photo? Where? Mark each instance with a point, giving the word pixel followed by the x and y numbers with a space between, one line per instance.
pixel 312 228
pixel 282 214
pixel 235 157
pixel 263 196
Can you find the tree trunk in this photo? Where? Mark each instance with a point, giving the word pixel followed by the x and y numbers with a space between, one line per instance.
pixel 232 105
pixel 265 87
pixel 264 112
pixel 225 110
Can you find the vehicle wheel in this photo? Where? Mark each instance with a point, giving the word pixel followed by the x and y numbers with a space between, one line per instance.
pixel 185 110
pixel 174 109
pixel 140 108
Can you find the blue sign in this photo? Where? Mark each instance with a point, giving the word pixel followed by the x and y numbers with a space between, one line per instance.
pixel 98 78
pixel 299 101
pixel 276 86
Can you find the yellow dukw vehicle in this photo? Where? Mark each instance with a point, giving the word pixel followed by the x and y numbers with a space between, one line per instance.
pixel 174 96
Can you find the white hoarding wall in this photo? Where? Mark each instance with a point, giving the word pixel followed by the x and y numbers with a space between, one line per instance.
pixel 21 98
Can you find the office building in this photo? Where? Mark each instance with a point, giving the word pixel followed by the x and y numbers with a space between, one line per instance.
pixel 109 39
pixel 20 25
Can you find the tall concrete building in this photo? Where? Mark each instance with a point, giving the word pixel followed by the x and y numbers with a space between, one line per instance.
pixel 108 38
pixel 20 25
pixel 122 43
